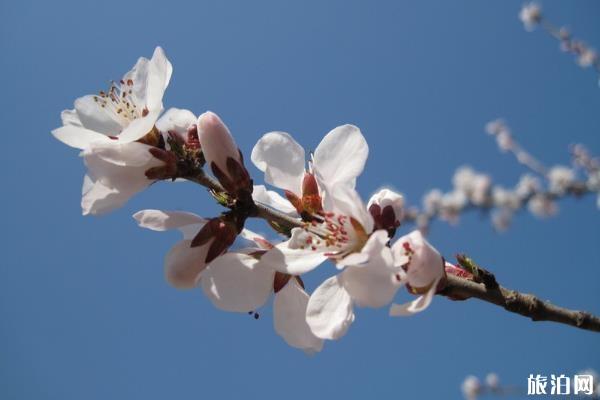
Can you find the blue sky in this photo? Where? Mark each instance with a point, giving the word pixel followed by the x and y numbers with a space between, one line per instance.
pixel 85 311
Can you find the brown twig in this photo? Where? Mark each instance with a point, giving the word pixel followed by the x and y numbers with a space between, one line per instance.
pixel 527 305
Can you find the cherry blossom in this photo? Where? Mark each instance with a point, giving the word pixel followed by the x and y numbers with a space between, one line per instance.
pixel 424 268
pixel 530 15
pixel 338 159
pixel 234 281
pixel 126 112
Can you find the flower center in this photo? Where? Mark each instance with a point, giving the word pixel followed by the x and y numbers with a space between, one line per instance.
pixel 337 235
pixel 121 102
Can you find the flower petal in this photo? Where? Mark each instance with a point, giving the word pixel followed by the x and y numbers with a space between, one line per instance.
pixel 70 117
pixel 293 261
pixel 138 128
pixel 98 199
pixel 343 199
pixel 329 311
pixel 341 155
pixel 78 137
pixel 416 306
pixel 234 282
pixel 372 284
pixel 158 220
pixel 289 318
pixel 184 263
pixel 159 75
pixel 273 200
pixel 176 120
pixel 425 265
pixel 282 160
pixel 96 118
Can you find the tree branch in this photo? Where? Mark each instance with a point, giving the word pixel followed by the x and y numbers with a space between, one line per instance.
pixel 524 304
pixel 527 305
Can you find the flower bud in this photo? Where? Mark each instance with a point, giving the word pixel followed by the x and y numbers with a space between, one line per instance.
pixel 387 209
pixel 223 156
pixel 219 234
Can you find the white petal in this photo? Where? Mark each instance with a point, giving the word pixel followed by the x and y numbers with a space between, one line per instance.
pixel 190 231
pixel 139 127
pixel 291 261
pixel 159 75
pixel 233 282
pixel 341 155
pixel 372 284
pixel 183 264
pixel 289 318
pixel 176 120
pixel 121 154
pixel 98 199
pixel 343 199
pixel 273 200
pixel 415 306
pixel 70 117
pixel 158 220
pixel 96 118
pixel 282 160
pixel 426 264
pixel 329 312
pixel 78 137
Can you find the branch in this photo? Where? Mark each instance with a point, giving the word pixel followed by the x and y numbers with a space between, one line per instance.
pixel 458 288
pixel 527 305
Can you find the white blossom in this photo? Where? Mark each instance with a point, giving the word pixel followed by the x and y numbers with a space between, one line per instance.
pixel 338 159
pixel 560 178
pixel 125 113
pixel 471 388
pixel 542 206
pixel 424 268
pixel 530 15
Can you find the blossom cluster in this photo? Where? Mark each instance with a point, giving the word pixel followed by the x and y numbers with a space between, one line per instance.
pixel 127 143
pixel 537 191
pixel 585 56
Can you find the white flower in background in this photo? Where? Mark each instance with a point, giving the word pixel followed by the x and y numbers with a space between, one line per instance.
pixel 432 201
pixel 504 198
pixel 424 267
pixel 234 281
pixel 542 206
pixel 560 179
pixel 330 310
pixel 223 155
pixel 501 132
pixel 474 185
pixel 387 209
pixel 501 219
pixel 452 205
pixel 338 159
pixel 340 235
pixel 471 388
pixel 117 171
pixel 527 186
pixel 492 380
pixel 587 58
pixel 530 15
pixel 125 113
